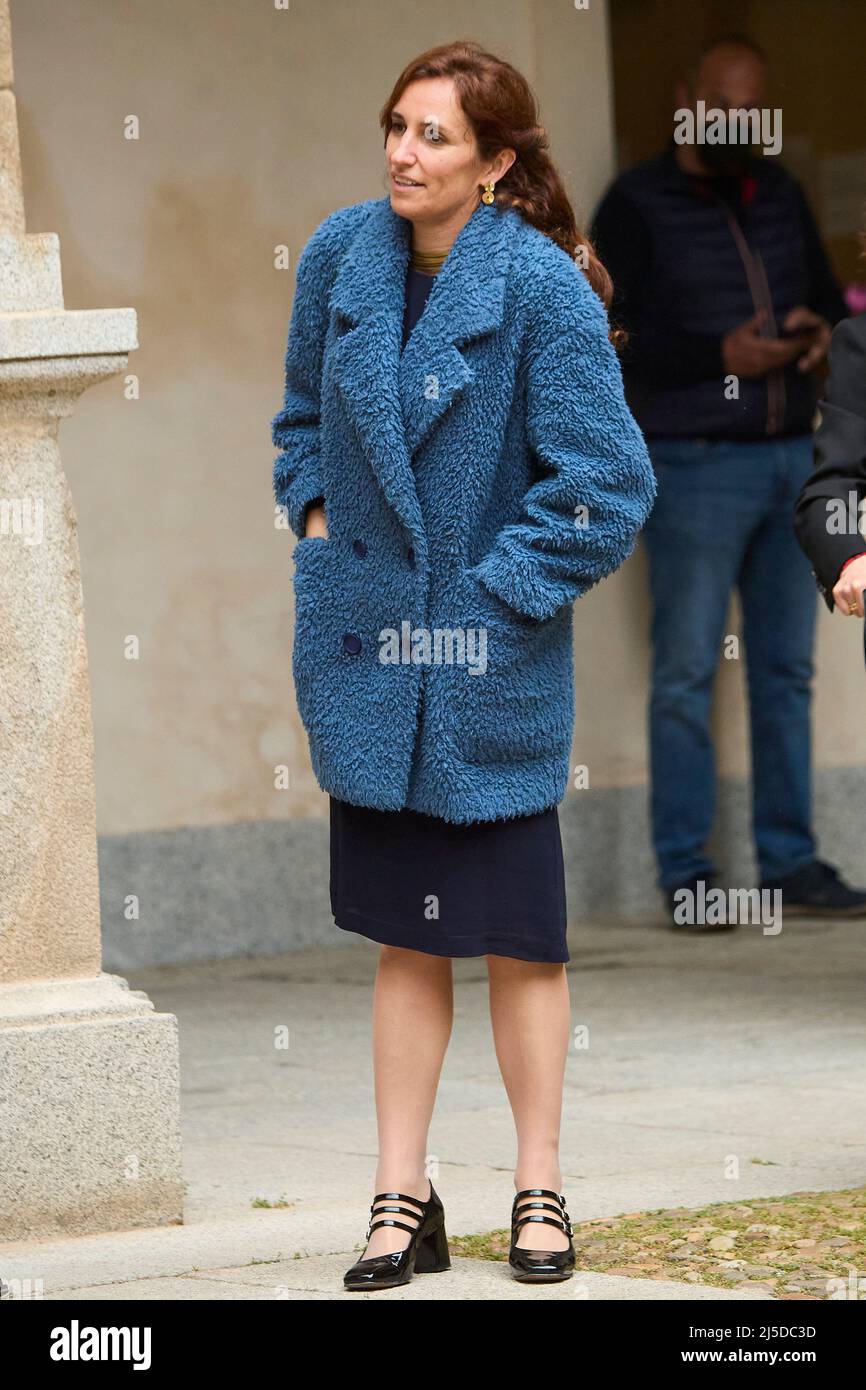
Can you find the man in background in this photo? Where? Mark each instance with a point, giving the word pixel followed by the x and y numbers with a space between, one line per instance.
pixel 721 281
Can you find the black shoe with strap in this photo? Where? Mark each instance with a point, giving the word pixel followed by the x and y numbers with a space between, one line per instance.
pixel 817 890
pixel 540 1266
pixel 426 1253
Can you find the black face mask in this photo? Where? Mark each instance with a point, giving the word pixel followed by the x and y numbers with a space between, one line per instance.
pixel 726 159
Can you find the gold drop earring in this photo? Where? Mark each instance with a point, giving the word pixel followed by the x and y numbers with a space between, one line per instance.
pixel 487 195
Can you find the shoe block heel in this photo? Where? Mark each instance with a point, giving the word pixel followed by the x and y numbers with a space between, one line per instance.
pixel 432 1255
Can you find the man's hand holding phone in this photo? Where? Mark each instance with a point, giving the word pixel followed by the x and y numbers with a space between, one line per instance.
pixel 747 353
pixel 802 321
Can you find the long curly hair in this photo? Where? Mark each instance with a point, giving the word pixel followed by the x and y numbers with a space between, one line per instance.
pixel 502 111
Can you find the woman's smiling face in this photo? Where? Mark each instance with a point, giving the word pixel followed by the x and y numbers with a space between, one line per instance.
pixel 433 159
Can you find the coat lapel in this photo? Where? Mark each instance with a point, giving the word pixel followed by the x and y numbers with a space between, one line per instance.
pixel 395 399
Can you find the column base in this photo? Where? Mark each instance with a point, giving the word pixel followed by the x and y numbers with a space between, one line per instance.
pixel 89 1109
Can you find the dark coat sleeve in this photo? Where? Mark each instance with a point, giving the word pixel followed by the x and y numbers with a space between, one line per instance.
pixel 840 461
pixel 824 296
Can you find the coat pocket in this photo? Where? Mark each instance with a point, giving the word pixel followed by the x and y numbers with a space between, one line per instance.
pixel 313 583
pixel 312 554
pixel 310 545
pixel 517 705
pixel 496 726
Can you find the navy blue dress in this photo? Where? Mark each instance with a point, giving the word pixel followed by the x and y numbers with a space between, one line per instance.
pixel 407 879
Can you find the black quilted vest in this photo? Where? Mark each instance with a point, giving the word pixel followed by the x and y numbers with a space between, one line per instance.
pixel 709 273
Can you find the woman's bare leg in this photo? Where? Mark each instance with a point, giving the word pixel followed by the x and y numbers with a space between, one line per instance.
pixel 531 1016
pixel 413 1010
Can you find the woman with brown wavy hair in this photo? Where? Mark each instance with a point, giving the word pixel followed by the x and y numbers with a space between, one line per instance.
pixel 454 403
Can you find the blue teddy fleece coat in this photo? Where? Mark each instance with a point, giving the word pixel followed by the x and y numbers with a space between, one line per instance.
pixel 476 483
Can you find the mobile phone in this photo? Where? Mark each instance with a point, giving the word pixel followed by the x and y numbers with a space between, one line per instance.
pixel 802 332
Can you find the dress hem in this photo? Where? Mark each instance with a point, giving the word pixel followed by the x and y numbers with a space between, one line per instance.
pixel 387 934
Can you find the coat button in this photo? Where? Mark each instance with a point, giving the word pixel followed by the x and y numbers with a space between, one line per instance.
pixel 410 556
pixel 359 548
pixel 351 642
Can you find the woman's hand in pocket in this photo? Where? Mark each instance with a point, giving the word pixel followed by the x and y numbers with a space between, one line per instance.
pixel 316 523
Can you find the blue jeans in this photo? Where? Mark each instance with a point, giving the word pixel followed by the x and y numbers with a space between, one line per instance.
pixel 723 516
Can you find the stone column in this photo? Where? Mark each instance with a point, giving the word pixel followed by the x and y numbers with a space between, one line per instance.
pixel 89 1084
